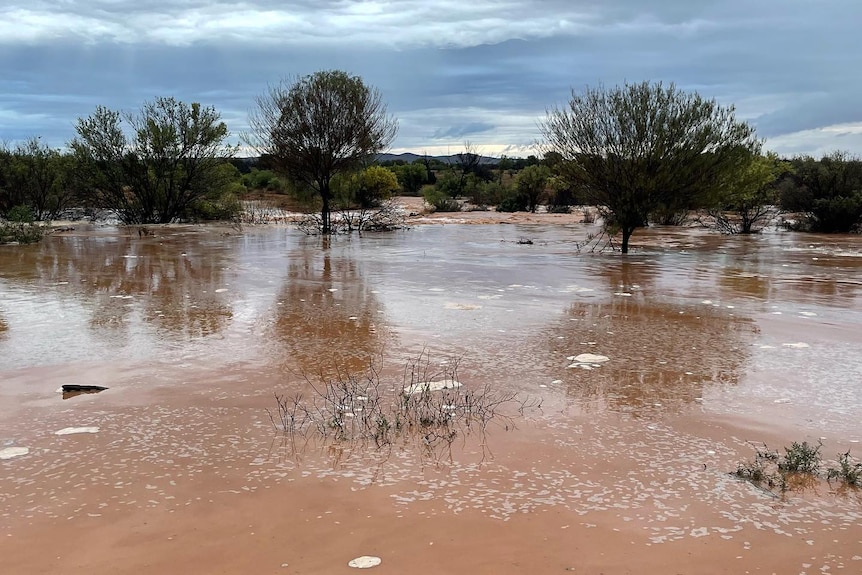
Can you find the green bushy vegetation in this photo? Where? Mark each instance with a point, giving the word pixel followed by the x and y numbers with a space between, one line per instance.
pixel 799 466
pixel 168 161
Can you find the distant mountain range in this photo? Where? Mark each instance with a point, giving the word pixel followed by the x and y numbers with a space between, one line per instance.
pixel 409 158
pixel 406 157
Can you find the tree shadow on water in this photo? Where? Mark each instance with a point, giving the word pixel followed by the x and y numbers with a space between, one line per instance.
pixel 123 277
pixel 661 355
pixel 327 319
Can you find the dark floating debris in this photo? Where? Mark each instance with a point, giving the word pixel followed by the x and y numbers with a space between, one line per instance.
pixel 70 390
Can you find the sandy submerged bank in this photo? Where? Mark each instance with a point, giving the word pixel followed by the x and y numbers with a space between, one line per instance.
pixel 623 469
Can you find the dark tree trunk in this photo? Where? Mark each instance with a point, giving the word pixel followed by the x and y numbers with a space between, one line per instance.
pixel 627 233
pixel 325 225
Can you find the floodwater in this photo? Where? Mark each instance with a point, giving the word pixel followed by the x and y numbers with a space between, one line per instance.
pixel 713 344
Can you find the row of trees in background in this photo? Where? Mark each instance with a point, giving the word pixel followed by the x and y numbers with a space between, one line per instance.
pixel 643 153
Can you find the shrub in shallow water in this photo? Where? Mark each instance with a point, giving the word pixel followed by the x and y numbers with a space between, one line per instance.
pixel 801 458
pixel 848 471
pixel 429 406
pixel 20 232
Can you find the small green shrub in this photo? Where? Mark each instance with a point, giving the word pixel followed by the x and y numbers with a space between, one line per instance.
pixel 801 458
pixel 20 232
pixel 759 470
pixel 21 214
pixel 225 207
pixel 848 471
pixel 514 203
pixel 442 202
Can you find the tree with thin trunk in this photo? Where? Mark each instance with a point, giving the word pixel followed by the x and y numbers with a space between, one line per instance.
pixel 531 183
pixel 634 148
pixel 153 166
pixel 318 126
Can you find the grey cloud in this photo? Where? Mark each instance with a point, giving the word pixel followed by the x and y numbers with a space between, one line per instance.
pixel 462 130
pixel 442 66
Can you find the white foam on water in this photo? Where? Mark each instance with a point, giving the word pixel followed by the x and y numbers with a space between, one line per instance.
pixel 439 385
pixel 463 306
pixel 588 358
pixel 364 562
pixel 10 452
pixel 808 313
pixel 797 345
pixel 623 294
pixel 221 290
pixel 73 430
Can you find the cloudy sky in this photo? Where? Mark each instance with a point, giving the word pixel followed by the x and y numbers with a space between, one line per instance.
pixel 451 71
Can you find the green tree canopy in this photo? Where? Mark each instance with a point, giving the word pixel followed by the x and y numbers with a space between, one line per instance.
pixel 743 204
pixel 411 177
pixel 633 148
pixel 828 192
pixel 531 183
pixel 368 188
pixel 152 166
pixel 34 176
pixel 318 126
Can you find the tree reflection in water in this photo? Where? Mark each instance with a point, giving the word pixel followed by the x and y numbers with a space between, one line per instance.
pixel 328 317
pixel 661 355
pixel 121 277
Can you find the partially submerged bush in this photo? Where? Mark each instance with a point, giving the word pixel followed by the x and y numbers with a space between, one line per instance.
pixel 428 406
pixel 848 471
pixel 441 201
pixel 20 232
pixel 798 467
pixel 801 458
pixel 386 217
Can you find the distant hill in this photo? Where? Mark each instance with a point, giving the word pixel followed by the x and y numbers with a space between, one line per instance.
pixel 409 158
pixel 406 157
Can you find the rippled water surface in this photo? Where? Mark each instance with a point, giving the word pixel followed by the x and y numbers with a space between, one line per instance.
pixel 711 342
pixel 690 313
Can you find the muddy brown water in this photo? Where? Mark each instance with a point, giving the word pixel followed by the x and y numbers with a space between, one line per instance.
pixel 714 343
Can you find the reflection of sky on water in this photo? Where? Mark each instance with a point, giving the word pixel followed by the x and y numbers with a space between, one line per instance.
pixel 266 296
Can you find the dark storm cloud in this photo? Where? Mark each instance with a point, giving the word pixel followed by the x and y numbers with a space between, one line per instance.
pixel 487 69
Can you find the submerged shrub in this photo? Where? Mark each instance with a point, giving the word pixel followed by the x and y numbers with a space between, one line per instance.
pixel 21 214
pixel 848 471
pixel 20 232
pixel 801 458
pixel 441 201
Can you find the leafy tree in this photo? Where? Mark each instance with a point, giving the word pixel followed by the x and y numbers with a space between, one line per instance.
pixel 504 165
pixel 34 176
pixel 370 187
pixel 745 203
pixel 8 193
pixel 411 177
pixel 40 174
pixel 257 179
pixel 531 183
pixel 318 126
pixel 151 167
pixel 827 191
pixel 636 147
